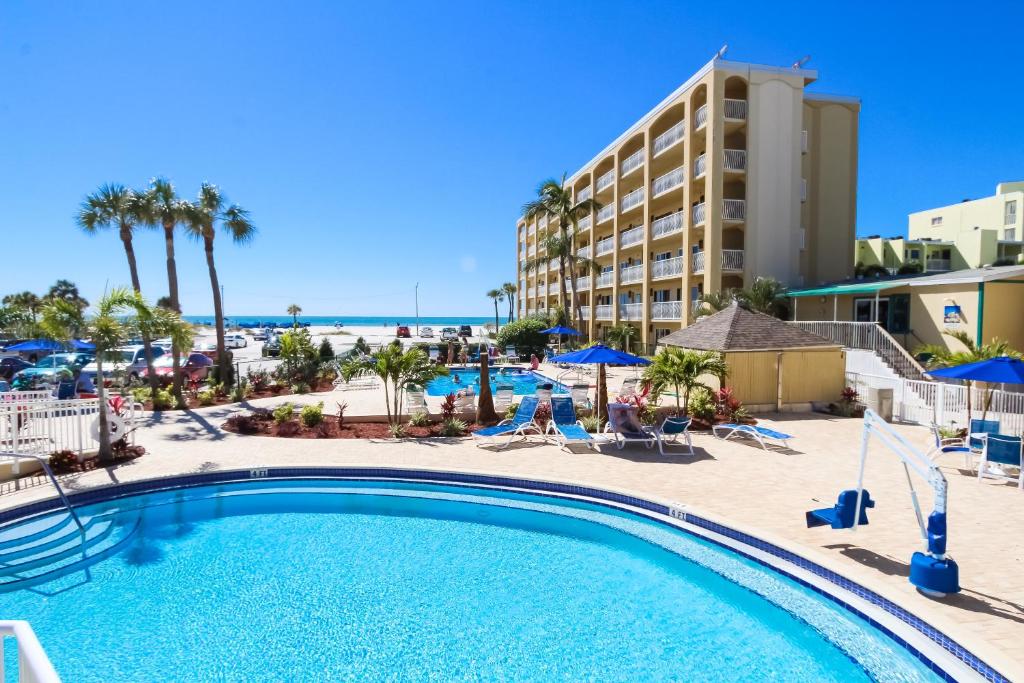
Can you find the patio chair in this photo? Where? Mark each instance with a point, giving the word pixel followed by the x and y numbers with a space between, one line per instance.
pixel 511 355
pixel 999 451
pixel 465 401
pixel 503 397
pixel 544 392
pixel 980 427
pixel 580 395
pixel 433 353
pixel 628 387
pixel 564 426
pixel 759 433
pixel 671 431
pixel 624 427
pixel 947 444
pixel 521 423
pixel 415 402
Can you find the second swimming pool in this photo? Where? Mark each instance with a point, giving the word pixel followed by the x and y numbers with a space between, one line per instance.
pixel 523 382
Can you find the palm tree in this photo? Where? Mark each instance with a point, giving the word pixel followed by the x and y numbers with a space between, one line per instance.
pixel 765 295
pixel 554 199
pixel 677 368
pixel 397 369
pixel 556 246
pixel 116 206
pixel 496 295
pixel 713 302
pixel 24 301
pixel 210 209
pixel 68 291
pixel 940 356
pixel 485 401
pixel 162 207
pixel 621 336
pixel 293 311
pixel 509 288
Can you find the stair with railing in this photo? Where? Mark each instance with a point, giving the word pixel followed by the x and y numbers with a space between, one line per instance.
pixel 871 337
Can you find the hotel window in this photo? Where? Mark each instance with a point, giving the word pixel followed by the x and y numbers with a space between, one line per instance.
pixel 937 220
pixel 660 332
pixel 1010 234
pixel 1010 213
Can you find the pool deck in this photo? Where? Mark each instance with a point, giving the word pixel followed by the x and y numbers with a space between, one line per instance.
pixel 763 493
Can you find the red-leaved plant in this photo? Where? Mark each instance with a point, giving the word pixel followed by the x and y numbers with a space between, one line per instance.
pixel 448 407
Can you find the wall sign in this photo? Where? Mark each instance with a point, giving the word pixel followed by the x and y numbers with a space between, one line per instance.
pixel 951 316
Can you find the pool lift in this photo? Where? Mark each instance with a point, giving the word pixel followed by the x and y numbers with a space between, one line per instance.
pixel 931 571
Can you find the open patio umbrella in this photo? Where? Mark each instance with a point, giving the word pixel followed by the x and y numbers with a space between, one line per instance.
pixel 33 345
pixel 560 330
pixel 600 355
pixel 1001 369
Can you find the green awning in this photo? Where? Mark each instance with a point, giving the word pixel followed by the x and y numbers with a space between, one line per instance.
pixel 852 288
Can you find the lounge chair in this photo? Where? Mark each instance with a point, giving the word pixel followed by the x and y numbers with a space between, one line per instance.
pixel 465 402
pixel 503 397
pixel 945 444
pixel 759 433
pixel 544 392
pixel 580 395
pixel 980 427
pixel 511 355
pixel 1000 451
pixel 361 382
pixel 415 402
pixel 671 431
pixel 624 427
pixel 628 387
pixel 564 426
pixel 521 423
pixel 433 353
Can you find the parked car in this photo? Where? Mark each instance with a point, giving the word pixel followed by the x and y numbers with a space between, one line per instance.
pixel 403 332
pixel 126 360
pixel 235 341
pixel 449 334
pixel 166 344
pixel 260 335
pixel 10 366
pixel 56 367
pixel 272 347
pixel 194 368
pixel 465 331
pixel 427 332
pixel 33 378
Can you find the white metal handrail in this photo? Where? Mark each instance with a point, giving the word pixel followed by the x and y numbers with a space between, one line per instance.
pixel 669 267
pixel 697 261
pixel 734 209
pixel 700 166
pixel 583 252
pixel 584 223
pixel 735 109
pixel 603 312
pixel 735 159
pixel 732 259
pixel 700 117
pixel 606 180
pixel 939 265
pixel 869 336
pixel 584 194
pixel 666 225
pixel 631 311
pixel 669 181
pixel 605 246
pixel 633 162
pixel 585 312
pixel 632 236
pixel 33 664
pixel 699 212
pixel 667 310
pixel 606 279
pixel 634 198
pixel 631 274
pixel 605 213
pixel 583 282
pixel 669 137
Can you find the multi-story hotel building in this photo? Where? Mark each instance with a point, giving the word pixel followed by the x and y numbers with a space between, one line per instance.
pixel 739 173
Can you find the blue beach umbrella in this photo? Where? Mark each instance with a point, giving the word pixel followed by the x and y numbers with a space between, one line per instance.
pixel 561 330
pixel 600 355
pixel 1001 369
pixel 34 345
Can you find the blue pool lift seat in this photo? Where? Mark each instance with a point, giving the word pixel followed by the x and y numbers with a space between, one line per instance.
pixel 842 514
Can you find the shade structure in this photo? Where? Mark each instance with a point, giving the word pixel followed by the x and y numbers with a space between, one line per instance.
pixel 79 345
pixel 33 345
pixel 1002 369
pixel 599 353
pixel 561 330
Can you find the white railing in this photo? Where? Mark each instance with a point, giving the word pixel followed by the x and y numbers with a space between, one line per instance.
pixel 700 117
pixel 669 181
pixel 735 109
pixel 33 664
pixel 667 310
pixel 605 246
pixel 631 311
pixel 634 198
pixel 937 265
pixel 735 160
pixel 605 213
pixel 532 229
pixel 532 250
pixel 632 236
pixel 603 312
pixel 732 259
pixel 669 137
pixel 585 312
pixel 632 162
pixel 669 267
pixel 700 166
pixel 543 222
pixel 868 336
pixel 583 282
pixel 553 288
pixel 606 180
pixel 667 225
pixel 583 252
pixel 699 211
pixel 734 209
pixel 631 274
pixel 531 292
pixel 584 194
pixel 606 279
pixel 585 223
pixel 697 261
pixel 26 396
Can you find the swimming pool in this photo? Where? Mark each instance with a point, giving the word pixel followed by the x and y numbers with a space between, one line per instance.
pixel 321 579
pixel 524 382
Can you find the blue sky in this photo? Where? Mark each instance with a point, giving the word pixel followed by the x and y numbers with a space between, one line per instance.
pixel 395 142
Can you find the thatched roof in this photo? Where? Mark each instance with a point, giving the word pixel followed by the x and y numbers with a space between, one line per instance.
pixel 738 329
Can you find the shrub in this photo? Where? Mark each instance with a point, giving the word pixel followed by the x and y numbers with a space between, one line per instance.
pixel 448 407
pixel 312 415
pixel 258 379
pixel 140 394
pixel 206 397
pixel 300 359
pixel 592 423
pixel 453 426
pixel 288 428
pixel 543 415
pixel 342 406
pixel 397 431
pixel 283 413
pixel 702 405
pixel 300 388
pixel 326 351
pixel 525 335
pixel 511 411
pixel 729 406
pixel 419 419
pixel 241 391
pixel 323 430
pixel 360 348
pixel 164 399
pixel 262 414
pixel 63 460
pixel 243 424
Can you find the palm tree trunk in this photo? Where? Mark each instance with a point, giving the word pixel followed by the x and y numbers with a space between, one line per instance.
pixel 172 293
pixel 602 390
pixel 577 310
pixel 496 323
pixel 147 348
pixel 561 288
pixel 511 307
pixel 105 454
pixel 223 362
pixel 485 403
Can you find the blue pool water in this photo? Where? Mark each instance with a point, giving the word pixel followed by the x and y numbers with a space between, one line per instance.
pixel 524 382
pixel 329 580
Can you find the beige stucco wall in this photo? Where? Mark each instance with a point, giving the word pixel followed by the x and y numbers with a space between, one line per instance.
pixel 808 375
pixel 1004 306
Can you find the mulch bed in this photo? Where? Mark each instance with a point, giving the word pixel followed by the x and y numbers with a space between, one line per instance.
pixel 220 400
pixel 259 423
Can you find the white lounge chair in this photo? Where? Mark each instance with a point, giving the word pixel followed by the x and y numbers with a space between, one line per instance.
pixel 998 452
pixel 580 395
pixel 503 398
pixel 628 387
pixel 511 355
pixel 624 427
pixel 759 433
pixel 415 402
pixel 465 402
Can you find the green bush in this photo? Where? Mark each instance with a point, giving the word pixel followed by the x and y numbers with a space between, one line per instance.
pixel 141 394
pixel 241 391
pixel 511 411
pixel 592 423
pixel 702 404
pixel 524 334
pixel 312 415
pixel 283 413
pixel 300 359
pixel 419 419
pixel 326 351
pixel 453 426
pixel 258 379
pixel 206 397
pixel 164 400
pixel 397 431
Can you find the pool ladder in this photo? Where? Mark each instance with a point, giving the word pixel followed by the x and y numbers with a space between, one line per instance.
pixel 60 491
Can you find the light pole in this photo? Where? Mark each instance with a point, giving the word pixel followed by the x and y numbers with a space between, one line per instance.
pixel 417 309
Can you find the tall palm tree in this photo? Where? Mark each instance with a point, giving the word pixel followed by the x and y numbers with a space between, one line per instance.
pixel 765 295
pixel 162 207
pixel 496 295
pixel 621 336
pixel 713 302
pixel 212 208
pixel 684 368
pixel 509 288
pixel 557 246
pixel 116 206
pixel 293 311
pixel 555 200
pixel 68 291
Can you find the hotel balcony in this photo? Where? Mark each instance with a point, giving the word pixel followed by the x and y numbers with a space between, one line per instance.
pixel 632 200
pixel 699 214
pixel 583 282
pixel 669 137
pixel 585 223
pixel 670 267
pixel 667 225
pixel 732 261
pixel 668 182
pixel 543 222
pixel 583 252
pixel 552 288
pixel 632 236
pixel 605 213
pixel 605 246
pixel 631 311
pixel 700 117
pixel 734 210
pixel 735 160
pixel 603 312
pixel 667 310
pixel 631 274
pixel 585 311
pixel 553 264
pixel 531 292
pixel 735 110
pixel 937 265
pixel 700 166
pixel 632 162
pixel 584 194
pixel 606 279
pixel 532 250
pixel 606 180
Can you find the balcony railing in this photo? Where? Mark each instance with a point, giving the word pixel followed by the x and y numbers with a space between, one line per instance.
pixel 700 117
pixel 700 166
pixel 631 274
pixel 667 225
pixel 734 210
pixel 583 282
pixel 583 252
pixel 667 310
pixel 585 312
pixel 732 259
pixel 606 279
pixel 632 236
pixel 605 246
pixel 603 312
pixel 632 162
pixel 736 109
pixel 633 199
pixel 605 213
pixel 584 194
pixel 669 137
pixel 697 262
pixel 699 213
pixel 553 264
pixel 543 222
pixel 585 223
pixel 606 180
pixel 669 267
pixel 552 288
pixel 532 250
pixel 735 160
pixel 937 265
pixel 532 229
pixel 669 181
pixel 531 292
pixel 631 311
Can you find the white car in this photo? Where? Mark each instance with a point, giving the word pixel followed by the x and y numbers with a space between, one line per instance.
pixel 235 341
pixel 427 332
pixel 129 360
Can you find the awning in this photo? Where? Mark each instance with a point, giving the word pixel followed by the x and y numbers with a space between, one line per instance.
pixel 852 288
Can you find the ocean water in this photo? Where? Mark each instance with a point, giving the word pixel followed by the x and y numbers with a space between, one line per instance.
pixel 355 320
pixel 327 580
